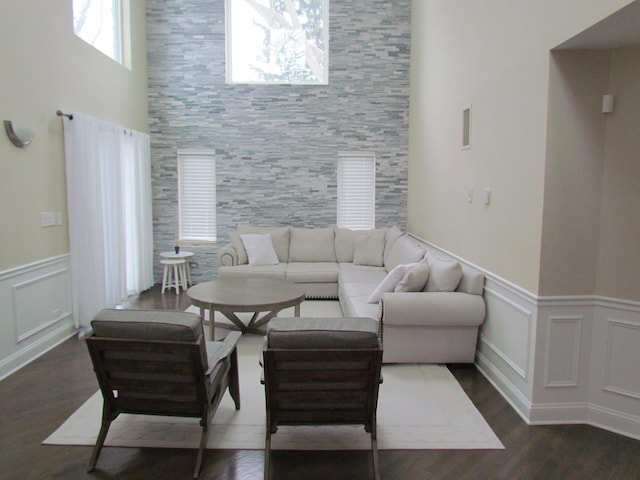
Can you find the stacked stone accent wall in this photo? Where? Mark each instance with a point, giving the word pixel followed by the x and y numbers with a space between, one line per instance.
pixel 276 146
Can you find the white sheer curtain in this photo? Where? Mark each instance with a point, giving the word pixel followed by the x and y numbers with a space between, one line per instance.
pixel 109 205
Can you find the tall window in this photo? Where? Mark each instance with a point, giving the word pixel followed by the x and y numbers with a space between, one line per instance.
pixel 197 196
pixel 99 23
pixel 356 190
pixel 277 41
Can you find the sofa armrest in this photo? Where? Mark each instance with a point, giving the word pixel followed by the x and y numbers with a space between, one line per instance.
pixel 228 256
pixel 432 308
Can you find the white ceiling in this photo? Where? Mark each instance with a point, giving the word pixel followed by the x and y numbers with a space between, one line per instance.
pixel 619 29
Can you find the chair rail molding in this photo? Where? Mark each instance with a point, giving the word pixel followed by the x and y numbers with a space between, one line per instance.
pixel 35 301
pixel 560 359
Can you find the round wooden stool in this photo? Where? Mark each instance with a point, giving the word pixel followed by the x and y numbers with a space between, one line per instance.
pixel 175 274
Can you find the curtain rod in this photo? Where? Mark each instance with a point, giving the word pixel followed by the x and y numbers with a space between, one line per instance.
pixel 60 114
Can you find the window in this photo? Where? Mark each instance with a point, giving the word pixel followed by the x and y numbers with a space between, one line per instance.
pixel 99 23
pixel 356 190
pixel 196 196
pixel 277 41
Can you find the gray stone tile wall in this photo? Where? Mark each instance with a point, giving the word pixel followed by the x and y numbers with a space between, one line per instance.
pixel 276 146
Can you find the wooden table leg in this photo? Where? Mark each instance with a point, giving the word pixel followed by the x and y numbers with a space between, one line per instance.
pixel 212 323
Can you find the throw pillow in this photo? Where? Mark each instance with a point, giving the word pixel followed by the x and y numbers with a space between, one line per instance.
pixel 389 282
pixel 344 244
pixel 312 245
pixel 279 237
pixel 393 235
pixel 415 279
pixel 259 249
pixel 403 251
pixel 444 276
pixel 368 248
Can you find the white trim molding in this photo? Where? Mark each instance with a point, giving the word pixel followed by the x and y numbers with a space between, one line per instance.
pixel 35 299
pixel 576 355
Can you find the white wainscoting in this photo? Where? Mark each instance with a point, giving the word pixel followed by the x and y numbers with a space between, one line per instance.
pixel 36 312
pixel 561 360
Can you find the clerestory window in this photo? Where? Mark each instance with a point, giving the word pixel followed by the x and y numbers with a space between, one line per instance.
pixel 277 41
pixel 101 24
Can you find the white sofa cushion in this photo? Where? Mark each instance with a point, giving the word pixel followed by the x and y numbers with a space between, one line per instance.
pixel 312 272
pixel 388 284
pixel 344 244
pixel 312 245
pixel 403 251
pixel 277 272
pixel 344 241
pixel 259 249
pixel 415 279
pixel 357 306
pixel 444 276
pixel 368 248
pixel 361 274
pixel 279 237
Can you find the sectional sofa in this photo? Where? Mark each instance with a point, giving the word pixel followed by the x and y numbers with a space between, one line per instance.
pixel 429 307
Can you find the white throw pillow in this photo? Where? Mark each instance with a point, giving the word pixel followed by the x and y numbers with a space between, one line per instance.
pixel 259 247
pixel 404 250
pixel 415 279
pixel 368 248
pixel 389 282
pixel 444 276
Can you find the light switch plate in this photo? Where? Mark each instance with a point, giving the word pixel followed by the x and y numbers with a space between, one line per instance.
pixel 47 219
pixel 486 196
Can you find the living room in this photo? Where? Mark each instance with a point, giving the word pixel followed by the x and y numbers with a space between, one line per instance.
pixel 558 239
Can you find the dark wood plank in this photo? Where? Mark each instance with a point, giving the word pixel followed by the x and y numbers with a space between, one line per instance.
pixel 35 400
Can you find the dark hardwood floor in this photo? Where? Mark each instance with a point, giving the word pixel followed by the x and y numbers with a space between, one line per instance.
pixel 39 397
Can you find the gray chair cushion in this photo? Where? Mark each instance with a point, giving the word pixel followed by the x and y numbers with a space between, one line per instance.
pixel 147 325
pixel 317 333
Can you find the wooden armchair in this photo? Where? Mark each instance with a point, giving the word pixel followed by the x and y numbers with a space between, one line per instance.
pixel 322 372
pixel 158 363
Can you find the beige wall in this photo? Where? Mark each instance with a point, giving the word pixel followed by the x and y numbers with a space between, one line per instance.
pixel 493 55
pixel 45 67
pixel 591 226
pixel 619 238
pixel 574 169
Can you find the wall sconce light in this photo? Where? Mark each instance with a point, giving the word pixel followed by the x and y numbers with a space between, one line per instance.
pixel 19 135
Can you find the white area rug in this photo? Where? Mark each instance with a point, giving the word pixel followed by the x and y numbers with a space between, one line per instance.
pixel 420 407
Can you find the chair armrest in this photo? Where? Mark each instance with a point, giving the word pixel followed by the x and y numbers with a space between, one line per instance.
pixel 221 350
pixel 228 256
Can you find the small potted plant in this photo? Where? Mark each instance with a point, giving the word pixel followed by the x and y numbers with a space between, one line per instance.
pixel 177 247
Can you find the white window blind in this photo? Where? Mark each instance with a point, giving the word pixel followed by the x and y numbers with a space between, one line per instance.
pixel 356 190
pixel 197 196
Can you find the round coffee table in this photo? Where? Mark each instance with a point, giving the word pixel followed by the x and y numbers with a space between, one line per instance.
pixel 247 295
